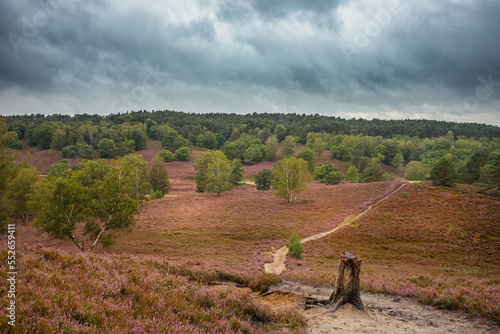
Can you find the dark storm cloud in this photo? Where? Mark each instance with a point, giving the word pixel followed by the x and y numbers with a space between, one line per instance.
pixel 271 53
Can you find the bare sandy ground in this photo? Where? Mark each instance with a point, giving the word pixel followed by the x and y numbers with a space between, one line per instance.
pixel 385 314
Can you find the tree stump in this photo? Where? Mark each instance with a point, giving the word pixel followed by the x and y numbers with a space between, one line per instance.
pixel 347 288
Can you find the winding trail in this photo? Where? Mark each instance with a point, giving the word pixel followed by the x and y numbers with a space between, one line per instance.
pixel 279 257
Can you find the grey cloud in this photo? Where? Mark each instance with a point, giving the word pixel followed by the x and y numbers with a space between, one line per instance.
pixel 284 49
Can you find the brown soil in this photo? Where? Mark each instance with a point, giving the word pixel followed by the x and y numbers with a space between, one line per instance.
pixel 385 313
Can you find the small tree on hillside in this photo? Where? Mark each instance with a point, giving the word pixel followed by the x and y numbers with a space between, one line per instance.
pixel 213 172
pixel 237 171
pixel 288 147
pixel 264 179
pixel 372 173
pixel 166 155
pixel 319 146
pixel 352 174
pixel 415 171
pixel 218 174
pixel 85 209
pixel 107 148
pixel 183 154
pixel 308 155
pixel 271 148
pixel 290 178
pixel 443 172
pixel 158 175
pixel 327 173
pixel 19 189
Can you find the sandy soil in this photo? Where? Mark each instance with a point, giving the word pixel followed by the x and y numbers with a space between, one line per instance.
pixel 385 314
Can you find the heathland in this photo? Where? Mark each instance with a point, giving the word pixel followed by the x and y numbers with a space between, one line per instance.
pixel 436 242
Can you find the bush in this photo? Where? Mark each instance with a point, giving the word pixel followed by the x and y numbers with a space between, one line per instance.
pixel 166 155
pixel 295 246
pixel 70 151
pixel 264 179
pixel 183 154
pixel 327 173
pixel 155 194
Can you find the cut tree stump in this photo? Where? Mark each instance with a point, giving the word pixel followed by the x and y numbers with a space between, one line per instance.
pixel 347 288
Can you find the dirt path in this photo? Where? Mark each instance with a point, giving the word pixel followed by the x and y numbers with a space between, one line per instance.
pixel 386 314
pixel 279 257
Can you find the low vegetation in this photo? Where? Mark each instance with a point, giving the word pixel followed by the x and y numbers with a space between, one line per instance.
pixel 125 294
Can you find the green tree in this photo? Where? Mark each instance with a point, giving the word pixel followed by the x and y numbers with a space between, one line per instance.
pixel 352 174
pixel 280 132
pixel 43 134
pixel 308 155
pixel 218 174
pixel 372 173
pixel 254 154
pixel 58 169
pixel 158 175
pixel 474 164
pixel 137 168
pixel 166 155
pixel 290 178
pixel 271 148
pixel 173 141
pixel 85 214
pixel 415 171
pixel 139 138
pixel 443 172
pixel 340 152
pixel 85 151
pixel 207 140
pixel 183 154
pixel 237 171
pixel 6 157
pixel 264 179
pixel 288 147
pixel 311 139
pixel 70 151
pixel 397 161
pixel 58 140
pixel 319 146
pixel 327 173
pixel 107 148
pixel 19 188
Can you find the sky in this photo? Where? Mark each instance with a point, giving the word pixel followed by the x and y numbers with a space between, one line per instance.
pixel 436 59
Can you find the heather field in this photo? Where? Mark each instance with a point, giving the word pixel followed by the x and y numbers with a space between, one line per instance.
pixel 438 245
pixel 70 292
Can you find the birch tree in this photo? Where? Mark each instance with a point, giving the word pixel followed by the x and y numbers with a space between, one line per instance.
pixel 290 178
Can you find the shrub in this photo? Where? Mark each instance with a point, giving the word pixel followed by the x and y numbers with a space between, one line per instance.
pixel 155 194
pixel 263 179
pixel 295 246
pixel 182 154
pixel 417 185
pixel 405 194
pixel 166 155
pixel 70 151
pixel 328 174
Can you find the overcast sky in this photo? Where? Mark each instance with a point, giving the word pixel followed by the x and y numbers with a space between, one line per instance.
pixel 436 59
